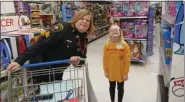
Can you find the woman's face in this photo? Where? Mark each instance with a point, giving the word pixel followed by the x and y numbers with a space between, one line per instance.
pixel 83 24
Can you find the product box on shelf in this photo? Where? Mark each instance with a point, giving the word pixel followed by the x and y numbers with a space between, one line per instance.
pixel 125 8
pixel 140 29
pixel 131 8
pixel 166 32
pixel 131 29
pixel 124 27
pixel 141 8
pixel 136 50
pixel 143 50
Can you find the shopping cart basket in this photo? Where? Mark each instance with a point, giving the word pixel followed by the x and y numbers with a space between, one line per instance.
pixel 75 87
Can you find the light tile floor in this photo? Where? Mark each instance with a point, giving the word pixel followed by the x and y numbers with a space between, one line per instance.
pixel 142 83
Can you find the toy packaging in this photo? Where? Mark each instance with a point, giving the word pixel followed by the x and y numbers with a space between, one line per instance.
pixel 131 8
pixel 141 8
pixel 166 30
pixel 125 29
pixel 136 50
pixel 143 50
pixel 131 29
pixel 137 8
pixel 125 8
pixel 140 29
pixel 119 9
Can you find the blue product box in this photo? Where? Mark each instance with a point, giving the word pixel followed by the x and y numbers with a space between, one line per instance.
pixel 166 32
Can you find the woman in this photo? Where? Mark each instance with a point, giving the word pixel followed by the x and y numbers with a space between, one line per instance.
pixel 63 41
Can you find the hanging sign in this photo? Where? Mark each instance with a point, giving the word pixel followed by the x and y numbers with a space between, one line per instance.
pixel 12 23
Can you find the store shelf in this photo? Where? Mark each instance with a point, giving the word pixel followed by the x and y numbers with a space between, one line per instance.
pixel 169 19
pixel 102 27
pixel 165 69
pixel 36 23
pixel 35 16
pixel 135 39
pixel 97 37
pixel 46 14
pixel 142 61
pixel 130 17
pixel 35 10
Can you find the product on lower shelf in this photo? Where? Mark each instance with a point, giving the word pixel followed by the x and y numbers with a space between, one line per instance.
pixel 138 50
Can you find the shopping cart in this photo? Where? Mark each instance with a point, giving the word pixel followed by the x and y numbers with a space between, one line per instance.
pixel 75 86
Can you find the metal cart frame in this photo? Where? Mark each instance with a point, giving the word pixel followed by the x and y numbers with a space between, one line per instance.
pixel 23 80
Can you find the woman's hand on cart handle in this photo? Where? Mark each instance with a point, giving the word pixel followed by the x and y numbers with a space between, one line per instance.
pixel 12 66
pixel 75 60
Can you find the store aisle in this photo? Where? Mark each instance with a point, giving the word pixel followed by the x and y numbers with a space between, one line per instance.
pixel 142 83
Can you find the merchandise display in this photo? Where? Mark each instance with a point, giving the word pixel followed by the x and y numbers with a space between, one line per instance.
pixel 138 50
pixel 134 24
pixel 150 29
pixel 171 64
pixel 129 9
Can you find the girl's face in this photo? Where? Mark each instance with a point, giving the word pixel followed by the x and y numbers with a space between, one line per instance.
pixel 83 24
pixel 114 33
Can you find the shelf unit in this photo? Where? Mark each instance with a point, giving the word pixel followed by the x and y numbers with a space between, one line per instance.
pixel 135 39
pixel 66 13
pixel 171 64
pixel 34 14
pixel 135 17
pixel 99 32
pixel 132 24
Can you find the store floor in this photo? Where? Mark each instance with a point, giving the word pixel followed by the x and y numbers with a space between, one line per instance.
pixel 141 85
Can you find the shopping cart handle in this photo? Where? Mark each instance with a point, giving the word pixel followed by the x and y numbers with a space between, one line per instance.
pixel 46 63
pixel 49 63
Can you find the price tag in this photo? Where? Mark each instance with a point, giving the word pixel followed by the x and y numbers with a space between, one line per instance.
pixel 168 52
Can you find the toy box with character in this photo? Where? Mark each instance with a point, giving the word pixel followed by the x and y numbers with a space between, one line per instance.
pixel 140 29
pixel 124 27
pixel 136 50
pixel 131 8
pixel 125 10
pixel 166 30
pixel 141 8
pixel 143 50
pixel 131 29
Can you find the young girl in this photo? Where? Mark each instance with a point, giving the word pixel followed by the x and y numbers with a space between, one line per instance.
pixel 116 61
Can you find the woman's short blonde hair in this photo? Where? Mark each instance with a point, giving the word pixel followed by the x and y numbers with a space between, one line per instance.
pixel 81 13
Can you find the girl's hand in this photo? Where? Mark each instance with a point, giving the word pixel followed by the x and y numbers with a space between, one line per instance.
pixel 106 75
pixel 75 60
pixel 125 77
